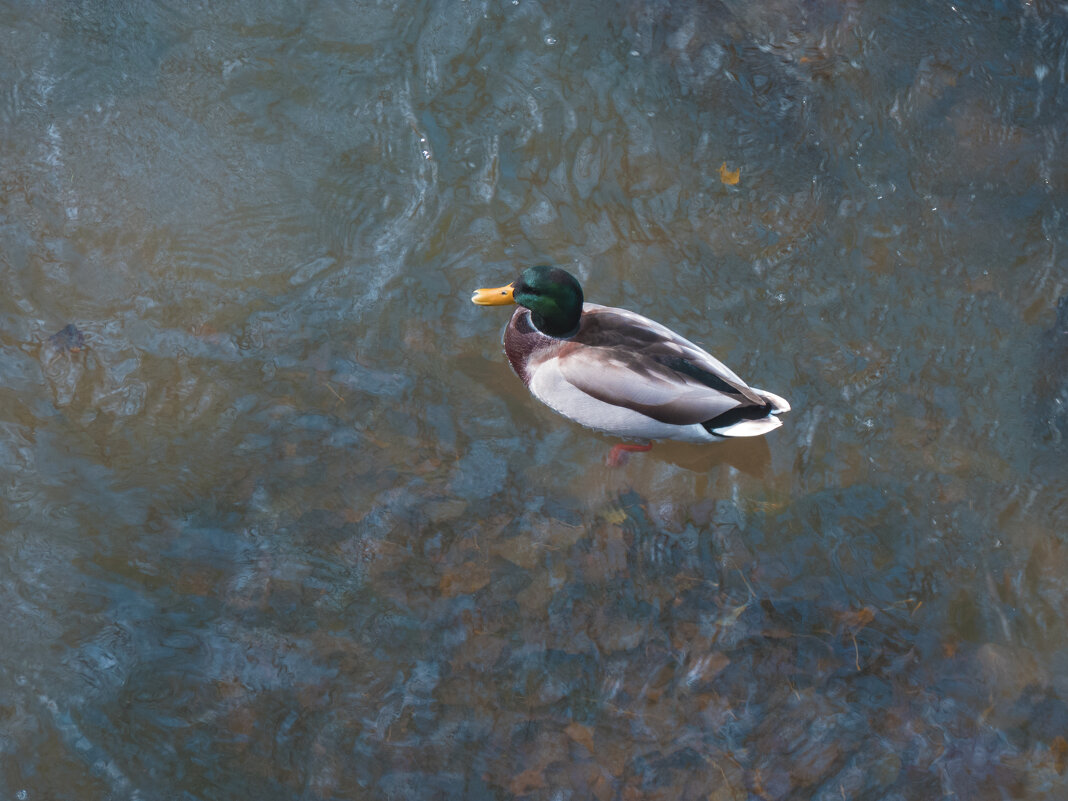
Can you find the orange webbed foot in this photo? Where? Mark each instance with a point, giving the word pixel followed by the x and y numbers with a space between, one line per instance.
pixel 617 457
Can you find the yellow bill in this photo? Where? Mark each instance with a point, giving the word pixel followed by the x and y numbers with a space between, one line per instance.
pixel 501 296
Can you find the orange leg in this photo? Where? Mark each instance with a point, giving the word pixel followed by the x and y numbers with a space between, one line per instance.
pixel 617 457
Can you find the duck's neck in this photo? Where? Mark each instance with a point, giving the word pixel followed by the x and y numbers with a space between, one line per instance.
pixel 558 326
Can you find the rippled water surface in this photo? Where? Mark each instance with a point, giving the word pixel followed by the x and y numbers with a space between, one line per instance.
pixel 277 521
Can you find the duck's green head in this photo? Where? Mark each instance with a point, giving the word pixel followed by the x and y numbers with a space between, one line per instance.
pixel 553 296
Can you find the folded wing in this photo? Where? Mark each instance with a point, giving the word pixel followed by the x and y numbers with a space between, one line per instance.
pixel 627 360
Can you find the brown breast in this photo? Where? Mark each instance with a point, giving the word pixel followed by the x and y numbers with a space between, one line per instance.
pixel 522 340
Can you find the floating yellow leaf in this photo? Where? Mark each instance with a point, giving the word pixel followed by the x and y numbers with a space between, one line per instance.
pixel 613 515
pixel 729 177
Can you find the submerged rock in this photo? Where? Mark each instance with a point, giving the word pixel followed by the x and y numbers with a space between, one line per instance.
pixel 63 372
pixel 67 340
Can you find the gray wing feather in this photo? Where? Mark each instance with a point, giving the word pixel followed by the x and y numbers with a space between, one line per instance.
pixel 622 358
pixel 676 402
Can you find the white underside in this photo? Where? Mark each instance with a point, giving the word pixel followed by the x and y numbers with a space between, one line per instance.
pixel 552 389
pixel 750 428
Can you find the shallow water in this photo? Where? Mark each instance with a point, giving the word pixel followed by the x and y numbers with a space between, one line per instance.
pixel 279 522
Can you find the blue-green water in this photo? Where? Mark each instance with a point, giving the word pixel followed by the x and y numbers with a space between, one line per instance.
pixel 286 526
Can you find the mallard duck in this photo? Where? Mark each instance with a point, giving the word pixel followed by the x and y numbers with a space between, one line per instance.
pixel 621 373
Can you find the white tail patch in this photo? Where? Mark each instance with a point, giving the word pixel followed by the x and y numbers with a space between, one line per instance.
pixel 749 428
pixel 779 405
